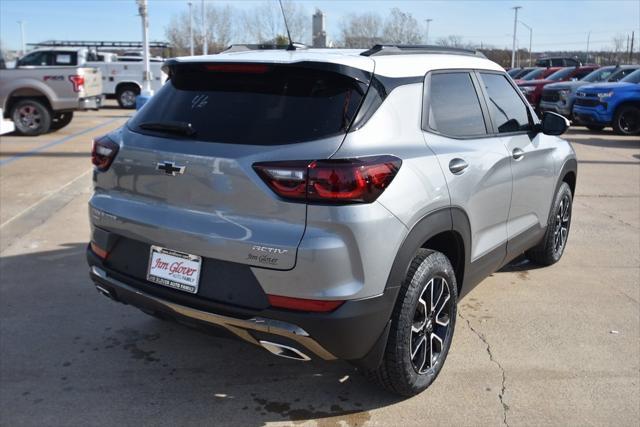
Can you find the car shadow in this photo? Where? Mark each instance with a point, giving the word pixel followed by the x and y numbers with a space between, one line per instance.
pixel 604 138
pixel 519 264
pixel 106 359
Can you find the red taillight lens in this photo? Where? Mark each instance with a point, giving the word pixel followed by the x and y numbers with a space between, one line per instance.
pixel 359 180
pixel 103 152
pixel 99 251
pixel 299 304
pixel 78 82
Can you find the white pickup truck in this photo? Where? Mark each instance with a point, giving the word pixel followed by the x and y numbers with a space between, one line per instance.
pixel 121 75
pixel 43 96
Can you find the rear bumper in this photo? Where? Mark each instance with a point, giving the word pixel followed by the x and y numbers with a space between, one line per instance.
pixel 356 331
pixel 90 103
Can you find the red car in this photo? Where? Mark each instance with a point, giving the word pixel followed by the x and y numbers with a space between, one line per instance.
pixel 532 89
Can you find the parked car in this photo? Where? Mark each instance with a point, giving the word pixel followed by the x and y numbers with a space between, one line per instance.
pixel 522 72
pixel 559 97
pixel 538 73
pixel 121 76
pixel 532 89
pixel 296 199
pixel 610 104
pixel 558 61
pixel 39 98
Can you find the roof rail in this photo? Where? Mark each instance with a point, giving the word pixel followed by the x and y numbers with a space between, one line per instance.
pixel 261 46
pixel 98 44
pixel 403 49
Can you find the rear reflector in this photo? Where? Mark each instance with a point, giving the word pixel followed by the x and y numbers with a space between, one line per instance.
pixel 99 251
pixel 358 180
pixel 299 304
pixel 103 152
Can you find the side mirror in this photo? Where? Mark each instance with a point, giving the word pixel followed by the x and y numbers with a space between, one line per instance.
pixel 554 124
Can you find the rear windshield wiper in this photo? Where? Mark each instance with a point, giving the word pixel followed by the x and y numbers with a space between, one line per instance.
pixel 180 128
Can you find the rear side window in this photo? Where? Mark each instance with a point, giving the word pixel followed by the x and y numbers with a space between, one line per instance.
pixel 454 107
pixel 508 111
pixel 256 104
pixel 621 74
pixel 65 58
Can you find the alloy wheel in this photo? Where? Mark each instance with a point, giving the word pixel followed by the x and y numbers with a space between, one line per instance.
pixel 128 98
pixel 629 121
pixel 431 325
pixel 561 227
pixel 29 116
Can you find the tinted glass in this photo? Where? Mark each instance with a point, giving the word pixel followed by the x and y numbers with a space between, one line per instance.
pixel 632 78
pixel 36 58
pixel 622 74
pixel 254 103
pixel 508 111
pixel 561 74
pixel 599 75
pixel 533 75
pixel 64 58
pixel 454 106
pixel 514 71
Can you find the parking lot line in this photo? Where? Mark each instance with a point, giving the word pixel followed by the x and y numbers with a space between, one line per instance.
pixel 54 143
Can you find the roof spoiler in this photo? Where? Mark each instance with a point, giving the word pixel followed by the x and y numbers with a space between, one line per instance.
pixel 400 49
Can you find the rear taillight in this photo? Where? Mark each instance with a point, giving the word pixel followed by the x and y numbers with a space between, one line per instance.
pixel 358 180
pixel 77 82
pixel 300 304
pixel 101 253
pixel 103 152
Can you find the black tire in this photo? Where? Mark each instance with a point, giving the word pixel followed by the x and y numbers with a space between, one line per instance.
pixel 398 372
pixel 595 128
pixel 550 249
pixel 31 117
pixel 626 121
pixel 60 120
pixel 126 96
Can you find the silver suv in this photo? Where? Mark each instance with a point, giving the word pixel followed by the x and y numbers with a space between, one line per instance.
pixel 331 204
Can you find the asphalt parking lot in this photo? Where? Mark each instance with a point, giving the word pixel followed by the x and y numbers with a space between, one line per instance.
pixel 551 346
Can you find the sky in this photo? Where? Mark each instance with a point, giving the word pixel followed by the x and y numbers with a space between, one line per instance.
pixel 557 24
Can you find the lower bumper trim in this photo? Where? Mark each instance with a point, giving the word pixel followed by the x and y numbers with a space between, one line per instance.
pixel 239 327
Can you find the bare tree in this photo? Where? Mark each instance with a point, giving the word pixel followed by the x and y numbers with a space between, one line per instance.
pixel 361 30
pixel 450 41
pixel 266 24
pixel 217 21
pixel 401 28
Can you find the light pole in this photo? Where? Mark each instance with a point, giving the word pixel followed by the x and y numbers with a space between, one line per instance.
pixel 190 28
pixel 530 41
pixel 515 29
pixel 22 37
pixel 426 39
pixel 588 39
pixel 146 76
pixel 205 48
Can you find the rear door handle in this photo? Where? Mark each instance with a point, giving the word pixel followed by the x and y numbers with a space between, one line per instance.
pixel 517 154
pixel 457 166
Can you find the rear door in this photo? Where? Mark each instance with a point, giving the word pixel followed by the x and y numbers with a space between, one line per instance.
pixel 475 164
pixel 531 156
pixel 199 193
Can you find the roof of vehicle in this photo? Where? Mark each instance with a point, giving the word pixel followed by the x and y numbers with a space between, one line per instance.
pixel 398 64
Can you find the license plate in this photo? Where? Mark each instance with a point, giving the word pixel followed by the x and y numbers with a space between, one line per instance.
pixel 174 269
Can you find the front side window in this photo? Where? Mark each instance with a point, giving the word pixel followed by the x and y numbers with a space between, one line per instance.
pixel 508 111
pixel 534 74
pixel 599 75
pixel 621 74
pixel 561 74
pixel 454 107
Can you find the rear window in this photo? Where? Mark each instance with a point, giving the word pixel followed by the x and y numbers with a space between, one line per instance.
pixel 256 104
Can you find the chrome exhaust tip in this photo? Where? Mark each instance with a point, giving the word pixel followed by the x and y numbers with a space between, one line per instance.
pixel 284 351
pixel 105 292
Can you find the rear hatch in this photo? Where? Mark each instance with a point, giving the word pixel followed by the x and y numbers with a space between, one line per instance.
pixel 183 178
pixel 92 82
